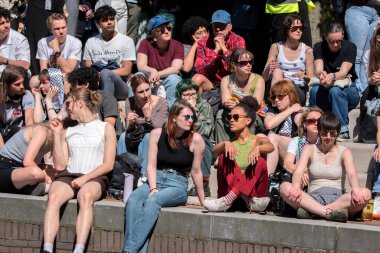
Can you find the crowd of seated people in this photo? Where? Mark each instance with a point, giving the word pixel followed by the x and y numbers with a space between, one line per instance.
pixel 69 113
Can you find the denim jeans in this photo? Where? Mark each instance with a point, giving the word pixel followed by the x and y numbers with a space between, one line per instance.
pixel 360 22
pixel 141 212
pixel 339 101
pixel 113 84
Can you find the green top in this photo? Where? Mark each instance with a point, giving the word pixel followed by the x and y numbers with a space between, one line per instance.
pixel 243 151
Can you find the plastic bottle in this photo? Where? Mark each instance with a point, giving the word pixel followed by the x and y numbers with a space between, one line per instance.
pixel 368 211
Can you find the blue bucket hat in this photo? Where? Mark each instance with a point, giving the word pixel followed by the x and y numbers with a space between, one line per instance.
pixel 156 21
pixel 221 16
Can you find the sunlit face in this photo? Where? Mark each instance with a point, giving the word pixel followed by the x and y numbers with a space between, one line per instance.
pixel 5 27
pixel 107 24
pixel 72 107
pixel 185 119
pixel 311 122
pixel 220 29
pixel 45 85
pixel 59 30
pixel 143 93
pixel 200 33
pixel 189 94
pixel 295 30
pixel 334 41
pixel 244 64
pixel 163 32
pixel 280 100
pixel 328 137
pixel 16 88
pixel 238 119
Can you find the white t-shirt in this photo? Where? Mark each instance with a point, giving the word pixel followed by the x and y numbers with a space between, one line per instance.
pixel 293 146
pixel 119 48
pixel 16 47
pixel 71 49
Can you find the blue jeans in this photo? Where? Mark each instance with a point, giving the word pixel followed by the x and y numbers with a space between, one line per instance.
pixel 339 101
pixel 360 22
pixel 141 212
pixel 113 84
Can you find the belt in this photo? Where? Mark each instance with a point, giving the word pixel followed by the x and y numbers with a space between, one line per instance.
pixel 13 162
pixel 173 171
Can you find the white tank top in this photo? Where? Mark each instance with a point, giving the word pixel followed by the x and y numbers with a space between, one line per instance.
pixel 86 146
pixel 289 68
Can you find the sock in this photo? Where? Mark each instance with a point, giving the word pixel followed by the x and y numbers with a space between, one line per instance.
pixel 48 247
pixel 230 198
pixel 47 187
pixel 245 198
pixel 79 248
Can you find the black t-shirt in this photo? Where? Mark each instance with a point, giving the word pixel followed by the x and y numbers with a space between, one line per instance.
pixel 333 61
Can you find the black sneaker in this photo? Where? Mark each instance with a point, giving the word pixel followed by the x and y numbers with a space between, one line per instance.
pixel 343 137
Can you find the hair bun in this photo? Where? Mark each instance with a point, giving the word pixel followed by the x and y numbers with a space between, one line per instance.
pixel 251 102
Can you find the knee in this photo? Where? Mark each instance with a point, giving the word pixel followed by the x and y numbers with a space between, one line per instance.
pixel 335 92
pixel 152 202
pixel 53 199
pixel 37 174
pixel 285 188
pixel 273 138
pixel 85 198
pixel 173 79
pixel 367 194
pixel 105 73
pixel 278 74
pixel 198 79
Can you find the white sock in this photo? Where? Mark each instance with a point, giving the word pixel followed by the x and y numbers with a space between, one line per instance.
pixel 47 187
pixel 48 247
pixel 79 248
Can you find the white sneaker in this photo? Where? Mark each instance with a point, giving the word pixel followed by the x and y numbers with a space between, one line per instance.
pixel 258 204
pixel 216 205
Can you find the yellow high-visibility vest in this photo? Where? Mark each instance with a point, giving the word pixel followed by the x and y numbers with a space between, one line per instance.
pixel 286 6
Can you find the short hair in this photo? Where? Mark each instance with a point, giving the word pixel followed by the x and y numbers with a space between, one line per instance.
pixel 250 106
pixel 184 85
pixel 10 75
pixel 190 26
pixel 285 87
pixel 104 12
pixel 91 98
pixel 5 13
pixel 136 80
pixel 53 17
pixel 84 75
pixel 333 26
pixel 44 74
pixel 301 130
pixel 329 121
pixel 235 56
pixel 285 26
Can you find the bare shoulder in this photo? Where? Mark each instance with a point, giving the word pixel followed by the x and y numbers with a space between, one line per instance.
pixel 197 138
pixel 155 133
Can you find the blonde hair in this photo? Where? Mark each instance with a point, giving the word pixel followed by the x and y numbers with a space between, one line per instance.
pixel 90 98
pixel 53 17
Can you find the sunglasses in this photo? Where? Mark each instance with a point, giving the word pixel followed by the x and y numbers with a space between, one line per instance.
pixel 332 133
pixel 311 121
pixel 279 96
pixel 192 117
pixel 245 63
pixel 333 42
pixel 235 117
pixel 295 28
pixel 162 28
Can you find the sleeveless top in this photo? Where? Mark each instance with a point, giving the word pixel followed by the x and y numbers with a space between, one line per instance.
pixel 86 146
pixel 180 160
pixel 15 149
pixel 289 68
pixel 243 151
pixel 237 92
pixel 326 175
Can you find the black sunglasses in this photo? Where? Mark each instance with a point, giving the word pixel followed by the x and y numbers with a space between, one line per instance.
pixel 245 63
pixel 162 28
pixel 192 117
pixel 235 117
pixel 295 28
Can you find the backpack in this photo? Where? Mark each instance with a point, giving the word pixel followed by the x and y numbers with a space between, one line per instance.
pixel 124 163
pixel 277 203
pixel 368 125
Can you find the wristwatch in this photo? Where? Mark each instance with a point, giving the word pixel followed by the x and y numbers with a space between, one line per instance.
pixel 6 61
pixel 334 77
pixel 57 54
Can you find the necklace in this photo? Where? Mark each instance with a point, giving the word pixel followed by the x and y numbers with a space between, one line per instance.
pixel 86 122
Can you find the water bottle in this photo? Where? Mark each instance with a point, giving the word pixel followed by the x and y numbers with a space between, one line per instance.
pixel 87 25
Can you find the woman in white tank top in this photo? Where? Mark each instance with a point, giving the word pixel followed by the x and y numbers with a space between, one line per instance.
pixel 290 58
pixel 326 162
pixel 82 155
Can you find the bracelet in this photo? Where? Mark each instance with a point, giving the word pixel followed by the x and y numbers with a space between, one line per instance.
pixel 153 189
pixel 50 109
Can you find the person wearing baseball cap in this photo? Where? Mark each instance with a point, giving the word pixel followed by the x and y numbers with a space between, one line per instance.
pixel 213 51
pixel 160 57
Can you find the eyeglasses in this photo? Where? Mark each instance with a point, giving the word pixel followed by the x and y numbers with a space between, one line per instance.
pixel 189 95
pixel 295 28
pixel 333 133
pixel 279 96
pixel 235 117
pixel 311 121
pixel 333 42
pixel 245 63
pixel 161 29
pixel 188 117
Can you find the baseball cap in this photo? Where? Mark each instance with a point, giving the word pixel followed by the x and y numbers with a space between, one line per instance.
pixel 156 21
pixel 221 16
